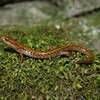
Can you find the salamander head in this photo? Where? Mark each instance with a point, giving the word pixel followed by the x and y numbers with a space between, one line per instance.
pixel 4 38
pixel 8 40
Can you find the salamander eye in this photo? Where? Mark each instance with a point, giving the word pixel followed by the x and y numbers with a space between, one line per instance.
pixel 30 53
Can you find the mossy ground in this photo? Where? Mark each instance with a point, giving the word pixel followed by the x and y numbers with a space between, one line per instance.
pixel 58 78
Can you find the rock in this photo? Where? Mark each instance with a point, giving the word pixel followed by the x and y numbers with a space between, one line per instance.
pixel 35 11
pixel 26 13
pixel 77 7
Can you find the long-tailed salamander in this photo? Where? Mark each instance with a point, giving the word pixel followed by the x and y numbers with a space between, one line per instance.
pixel 63 50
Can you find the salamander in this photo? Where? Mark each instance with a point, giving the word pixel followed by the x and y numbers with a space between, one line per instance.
pixel 59 51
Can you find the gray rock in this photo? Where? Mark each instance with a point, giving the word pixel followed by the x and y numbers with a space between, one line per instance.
pixel 76 7
pixel 26 13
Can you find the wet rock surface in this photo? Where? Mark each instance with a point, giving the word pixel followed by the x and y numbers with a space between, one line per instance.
pixel 33 11
pixel 23 13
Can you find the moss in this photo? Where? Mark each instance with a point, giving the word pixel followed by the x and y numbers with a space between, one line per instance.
pixel 56 78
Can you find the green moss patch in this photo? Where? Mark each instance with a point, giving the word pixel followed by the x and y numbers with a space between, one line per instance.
pixel 57 78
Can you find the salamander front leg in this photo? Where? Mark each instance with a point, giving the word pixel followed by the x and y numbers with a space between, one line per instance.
pixel 21 58
pixel 20 54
